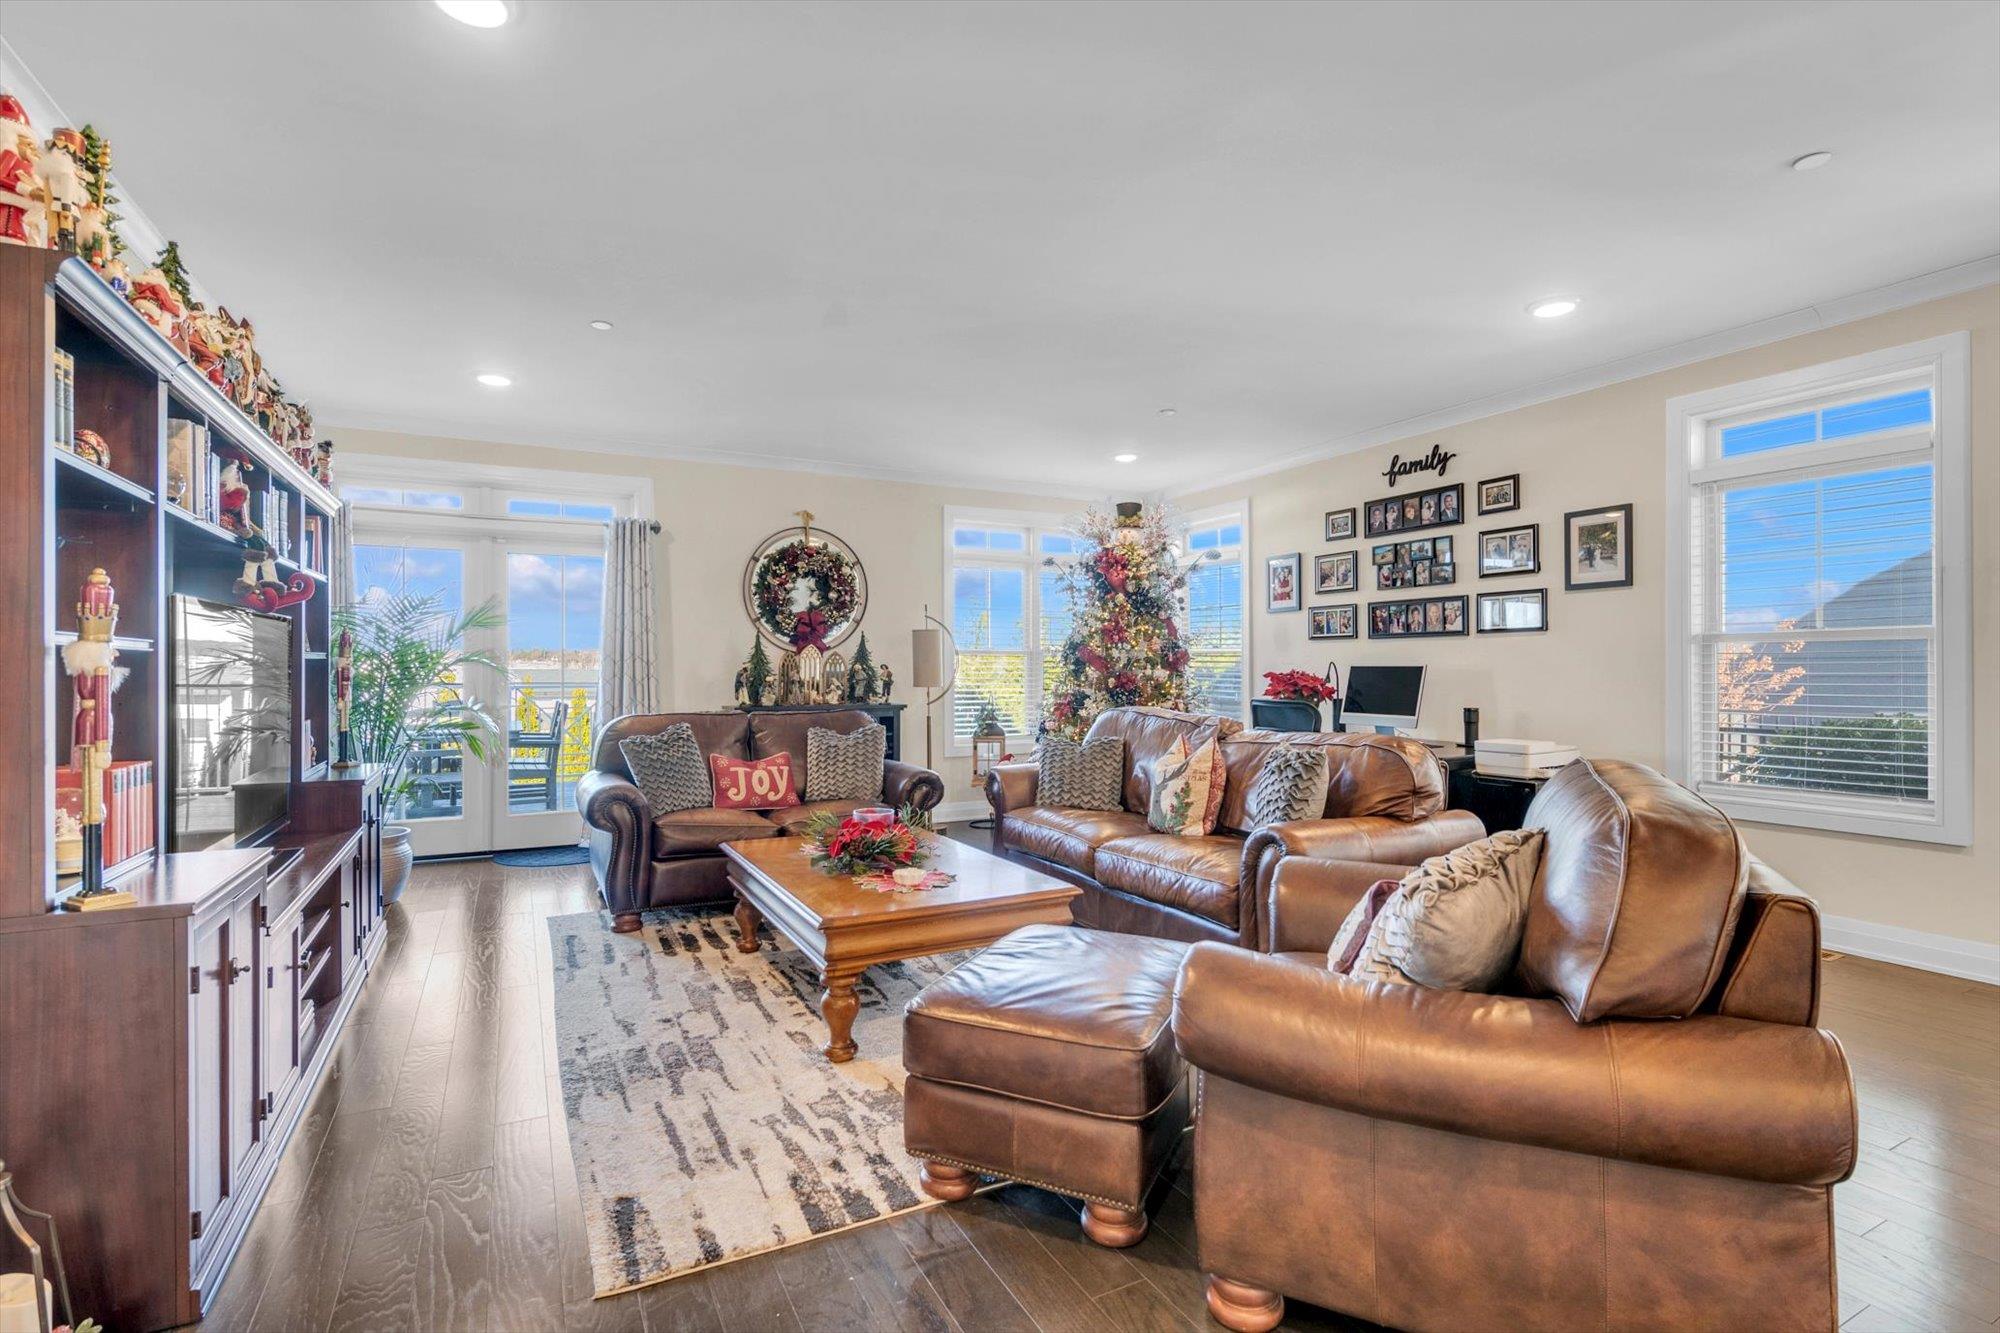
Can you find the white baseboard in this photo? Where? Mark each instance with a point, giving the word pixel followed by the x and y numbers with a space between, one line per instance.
pixel 957 812
pixel 1912 948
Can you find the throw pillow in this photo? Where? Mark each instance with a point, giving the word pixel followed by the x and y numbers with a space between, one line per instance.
pixel 845 768
pixel 1187 789
pixel 1291 786
pixel 1353 932
pixel 668 768
pixel 1455 922
pixel 1081 776
pixel 753 784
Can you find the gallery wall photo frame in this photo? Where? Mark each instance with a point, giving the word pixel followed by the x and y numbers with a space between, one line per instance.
pixel 1340 524
pixel 1416 618
pixel 1335 572
pixel 1282 582
pixel 1342 620
pixel 1509 552
pixel 1500 495
pixel 1519 611
pixel 1421 562
pixel 1439 507
pixel 1597 548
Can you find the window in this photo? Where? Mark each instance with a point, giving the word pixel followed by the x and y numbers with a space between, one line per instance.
pixel 1218 660
pixel 1821 608
pixel 536 506
pixel 1008 613
pixel 401 499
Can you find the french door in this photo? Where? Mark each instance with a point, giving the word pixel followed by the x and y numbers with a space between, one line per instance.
pixel 546 579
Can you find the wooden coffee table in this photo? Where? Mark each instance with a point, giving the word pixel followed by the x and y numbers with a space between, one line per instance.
pixel 843 927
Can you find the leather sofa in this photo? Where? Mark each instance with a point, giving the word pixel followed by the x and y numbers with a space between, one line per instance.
pixel 1385 802
pixel 1644 1133
pixel 642 860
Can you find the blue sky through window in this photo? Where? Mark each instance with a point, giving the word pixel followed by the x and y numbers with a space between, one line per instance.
pixel 1838 543
pixel 1889 412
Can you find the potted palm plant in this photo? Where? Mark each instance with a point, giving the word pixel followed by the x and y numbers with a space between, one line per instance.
pixel 410 660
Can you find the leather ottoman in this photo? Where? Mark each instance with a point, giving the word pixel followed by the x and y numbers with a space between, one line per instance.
pixel 1049 1059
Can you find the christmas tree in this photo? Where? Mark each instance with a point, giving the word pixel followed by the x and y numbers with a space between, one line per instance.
pixel 1124 645
pixel 174 269
pixel 861 681
pixel 757 672
pixel 97 183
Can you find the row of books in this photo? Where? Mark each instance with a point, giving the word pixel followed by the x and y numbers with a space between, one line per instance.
pixel 128 806
pixel 271 511
pixel 65 423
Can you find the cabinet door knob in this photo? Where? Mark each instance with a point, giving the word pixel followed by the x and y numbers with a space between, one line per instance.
pixel 237 969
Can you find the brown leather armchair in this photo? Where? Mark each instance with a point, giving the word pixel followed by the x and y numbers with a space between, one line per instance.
pixel 643 861
pixel 1385 801
pixel 1645 1135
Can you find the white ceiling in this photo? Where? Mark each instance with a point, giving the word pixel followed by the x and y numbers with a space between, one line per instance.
pixel 990 242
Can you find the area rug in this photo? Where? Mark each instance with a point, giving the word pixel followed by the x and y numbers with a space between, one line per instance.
pixel 705 1122
pixel 543 856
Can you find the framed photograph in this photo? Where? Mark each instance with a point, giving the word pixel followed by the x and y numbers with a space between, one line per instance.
pixel 1422 570
pixel 1384 554
pixel 1420 549
pixel 1522 612
pixel 1508 551
pixel 1439 507
pixel 1597 548
pixel 1423 563
pixel 1281 583
pixel 1416 619
pixel 1334 622
pixel 1500 494
pixel 1334 572
pixel 1339 525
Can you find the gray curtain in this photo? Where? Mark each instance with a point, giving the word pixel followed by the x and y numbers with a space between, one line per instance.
pixel 340 559
pixel 629 682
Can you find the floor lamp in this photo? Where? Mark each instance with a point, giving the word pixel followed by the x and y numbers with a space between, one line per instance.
pixel 929 670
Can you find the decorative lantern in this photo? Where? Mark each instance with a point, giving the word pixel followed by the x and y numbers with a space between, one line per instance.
pixel 27 1300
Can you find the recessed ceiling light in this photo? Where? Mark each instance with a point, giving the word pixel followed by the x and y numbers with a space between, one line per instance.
pixel 1124 458
pixel 1166 411
pixel 495 381
pixel 1554 307
pixel 476 13
pixel 601 325
pixel 1811 161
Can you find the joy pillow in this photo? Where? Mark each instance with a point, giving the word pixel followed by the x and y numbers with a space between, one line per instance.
pixel 753 784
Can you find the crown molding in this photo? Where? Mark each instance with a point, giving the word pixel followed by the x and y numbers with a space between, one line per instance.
pixel 496 433
pixel 1966 277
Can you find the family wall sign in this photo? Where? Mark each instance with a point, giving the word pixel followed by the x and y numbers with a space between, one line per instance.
pixel 1435 461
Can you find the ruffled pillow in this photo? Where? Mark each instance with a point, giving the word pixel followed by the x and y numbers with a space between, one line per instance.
pixel 1453 923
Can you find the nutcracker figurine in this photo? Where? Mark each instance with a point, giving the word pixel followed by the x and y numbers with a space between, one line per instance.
pixel 343 699
pixel 90 662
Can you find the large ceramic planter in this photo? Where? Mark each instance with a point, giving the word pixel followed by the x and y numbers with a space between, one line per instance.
pixel 396 859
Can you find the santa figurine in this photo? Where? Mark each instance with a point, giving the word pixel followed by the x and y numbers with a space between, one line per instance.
pixel 205 340
pixel 23 194
pixel 153 297
pixel 322 464
pixel 232 508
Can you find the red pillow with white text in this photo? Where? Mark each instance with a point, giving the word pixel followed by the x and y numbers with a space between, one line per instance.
pixel 753 784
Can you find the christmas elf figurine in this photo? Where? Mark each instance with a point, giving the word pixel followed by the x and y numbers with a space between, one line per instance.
pixel 343 698
pixel 90 662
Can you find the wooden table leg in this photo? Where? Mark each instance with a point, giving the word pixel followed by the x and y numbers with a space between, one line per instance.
pixel 747 921
pixel 837 1005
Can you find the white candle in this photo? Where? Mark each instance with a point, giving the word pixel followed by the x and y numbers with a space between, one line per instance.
pixel 17 1304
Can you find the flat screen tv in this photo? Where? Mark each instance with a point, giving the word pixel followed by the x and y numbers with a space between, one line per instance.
pixel 230 741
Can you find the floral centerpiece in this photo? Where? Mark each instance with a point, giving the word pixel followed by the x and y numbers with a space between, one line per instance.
pixel 862 845
pixel 1304 686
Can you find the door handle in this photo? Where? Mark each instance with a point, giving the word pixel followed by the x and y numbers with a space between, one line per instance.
pixel 237 969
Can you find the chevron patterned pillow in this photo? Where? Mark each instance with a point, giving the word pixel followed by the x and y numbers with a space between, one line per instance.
pixel 845 768
pixel 1090 776
pixel 1291 785
pixel 669 768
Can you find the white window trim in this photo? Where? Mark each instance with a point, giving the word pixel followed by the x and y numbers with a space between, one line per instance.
pixel 1948 360
pixel 487 488
pixel 1239 511
pixel 1034 522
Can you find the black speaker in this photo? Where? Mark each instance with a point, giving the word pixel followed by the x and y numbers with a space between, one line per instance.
pixel 1471 727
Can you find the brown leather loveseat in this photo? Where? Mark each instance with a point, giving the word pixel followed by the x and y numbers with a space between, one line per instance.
pixel 644 861
pixel 1385 803
pixel 1645 1134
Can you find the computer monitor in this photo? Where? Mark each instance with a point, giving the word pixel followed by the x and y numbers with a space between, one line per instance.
pixel 1384 697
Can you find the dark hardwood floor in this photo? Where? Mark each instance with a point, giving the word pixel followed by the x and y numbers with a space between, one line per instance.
pixel 430 1184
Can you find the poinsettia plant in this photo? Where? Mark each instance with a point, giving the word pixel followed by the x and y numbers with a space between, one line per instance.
pixel 1301 685
pixel 851 846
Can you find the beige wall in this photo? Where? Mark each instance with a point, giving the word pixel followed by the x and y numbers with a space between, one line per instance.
pixel 711 515
pixel 1598 677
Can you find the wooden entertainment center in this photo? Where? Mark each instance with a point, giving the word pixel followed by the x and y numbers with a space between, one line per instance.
pixel 157 1056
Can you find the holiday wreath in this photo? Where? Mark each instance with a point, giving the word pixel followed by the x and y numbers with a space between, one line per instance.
pixel 826 574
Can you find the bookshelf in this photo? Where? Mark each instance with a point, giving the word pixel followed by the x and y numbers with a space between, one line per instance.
pixel 165 1051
